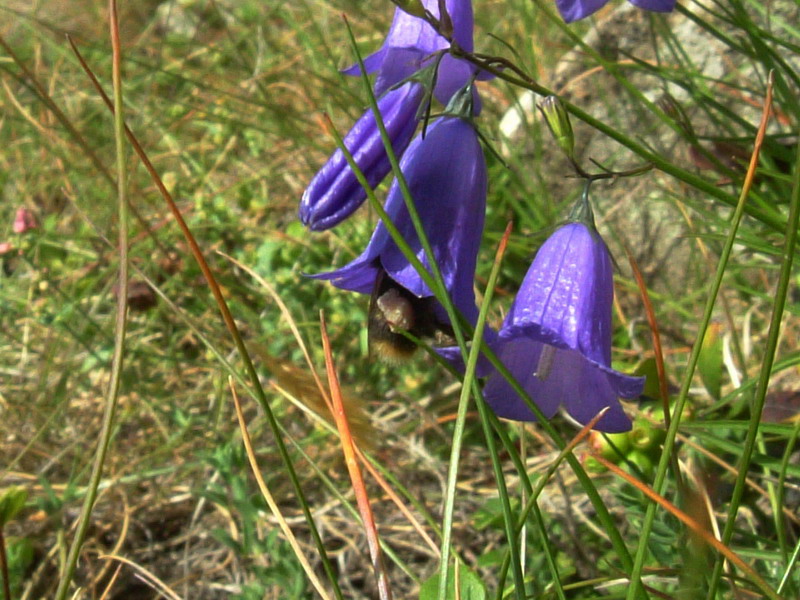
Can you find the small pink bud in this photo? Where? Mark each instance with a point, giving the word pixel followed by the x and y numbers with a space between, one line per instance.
pixel 5 248
pixel 24 221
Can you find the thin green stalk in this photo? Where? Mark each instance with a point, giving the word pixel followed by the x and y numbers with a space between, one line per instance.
pixel 531 504
pixel 787 454
pixel 789 567
pixel 503 69
pixel 603 516
pixel 434 278
pixel 86 149
pixel 470 386
pixel 766 369
pixel 602 512
pixel 112 394
pixel 774 497
pixel 672 431
pixel 436 283
pixel 548 552
pixel 321 422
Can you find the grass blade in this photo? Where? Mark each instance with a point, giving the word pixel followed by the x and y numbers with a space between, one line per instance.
pixel 121 320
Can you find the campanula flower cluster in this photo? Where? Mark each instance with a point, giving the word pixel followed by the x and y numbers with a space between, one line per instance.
pixel 555 340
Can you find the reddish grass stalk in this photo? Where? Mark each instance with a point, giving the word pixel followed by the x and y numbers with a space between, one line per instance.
pixel 349 450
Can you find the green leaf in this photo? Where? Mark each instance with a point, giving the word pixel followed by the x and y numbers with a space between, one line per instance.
pixel 12 501
pixel 470 586
pixel 647 369
pixel 709 363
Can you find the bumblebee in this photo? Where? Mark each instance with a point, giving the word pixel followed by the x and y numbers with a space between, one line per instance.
pixel 394 310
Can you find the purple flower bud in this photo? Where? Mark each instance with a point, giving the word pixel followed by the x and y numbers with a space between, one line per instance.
pixel 573 10
pixel 446 175
pixel 556 339
pixel 334 192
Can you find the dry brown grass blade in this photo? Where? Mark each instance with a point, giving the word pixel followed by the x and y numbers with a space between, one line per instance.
pixel 268 497
pixel 305 386
pixel 348 448
pixel 551 469
pixel 659 358
pixel 111 582
pixel 657 347
pixel 792 516
pixel 87 150
pixel 227 318
pixel 691 523
pixel 145 575
pixel 173 208
pixel 394 497
pixel 122 537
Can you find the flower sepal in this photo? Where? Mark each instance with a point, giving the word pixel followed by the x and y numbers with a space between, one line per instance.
pixel 415 8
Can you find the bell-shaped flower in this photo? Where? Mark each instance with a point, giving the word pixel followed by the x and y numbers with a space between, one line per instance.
pixel 573 10
pixel 556 338
pixel 412 43
pixel 446 176
pixel 335 193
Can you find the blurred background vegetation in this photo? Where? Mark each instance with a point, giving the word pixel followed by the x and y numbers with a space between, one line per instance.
pixel 227 98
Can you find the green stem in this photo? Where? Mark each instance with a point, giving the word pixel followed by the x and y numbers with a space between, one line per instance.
pixel 112 394
pixel 765 372
pixel 470 386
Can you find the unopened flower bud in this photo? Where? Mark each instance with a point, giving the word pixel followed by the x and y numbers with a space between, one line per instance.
pixel 643 463
pixel 611 446
pixel 557 118
pixel 592 465
pixel 645 435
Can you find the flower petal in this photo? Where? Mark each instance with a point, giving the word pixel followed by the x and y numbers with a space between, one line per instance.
pixel 446 175
pixel 371 64
pixel 556 338
pixel 566 295
pixel 580 385
pixel 655 5
pixel 573 10
pixel 519 356
pixel 593 387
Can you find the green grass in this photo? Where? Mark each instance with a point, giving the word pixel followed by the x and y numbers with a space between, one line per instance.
pixel 227 100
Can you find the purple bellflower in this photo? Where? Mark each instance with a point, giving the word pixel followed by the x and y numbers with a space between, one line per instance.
pixel 446 175
pixel 556 338
pixel 335 193
pixel 411 44
pixel 574 10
